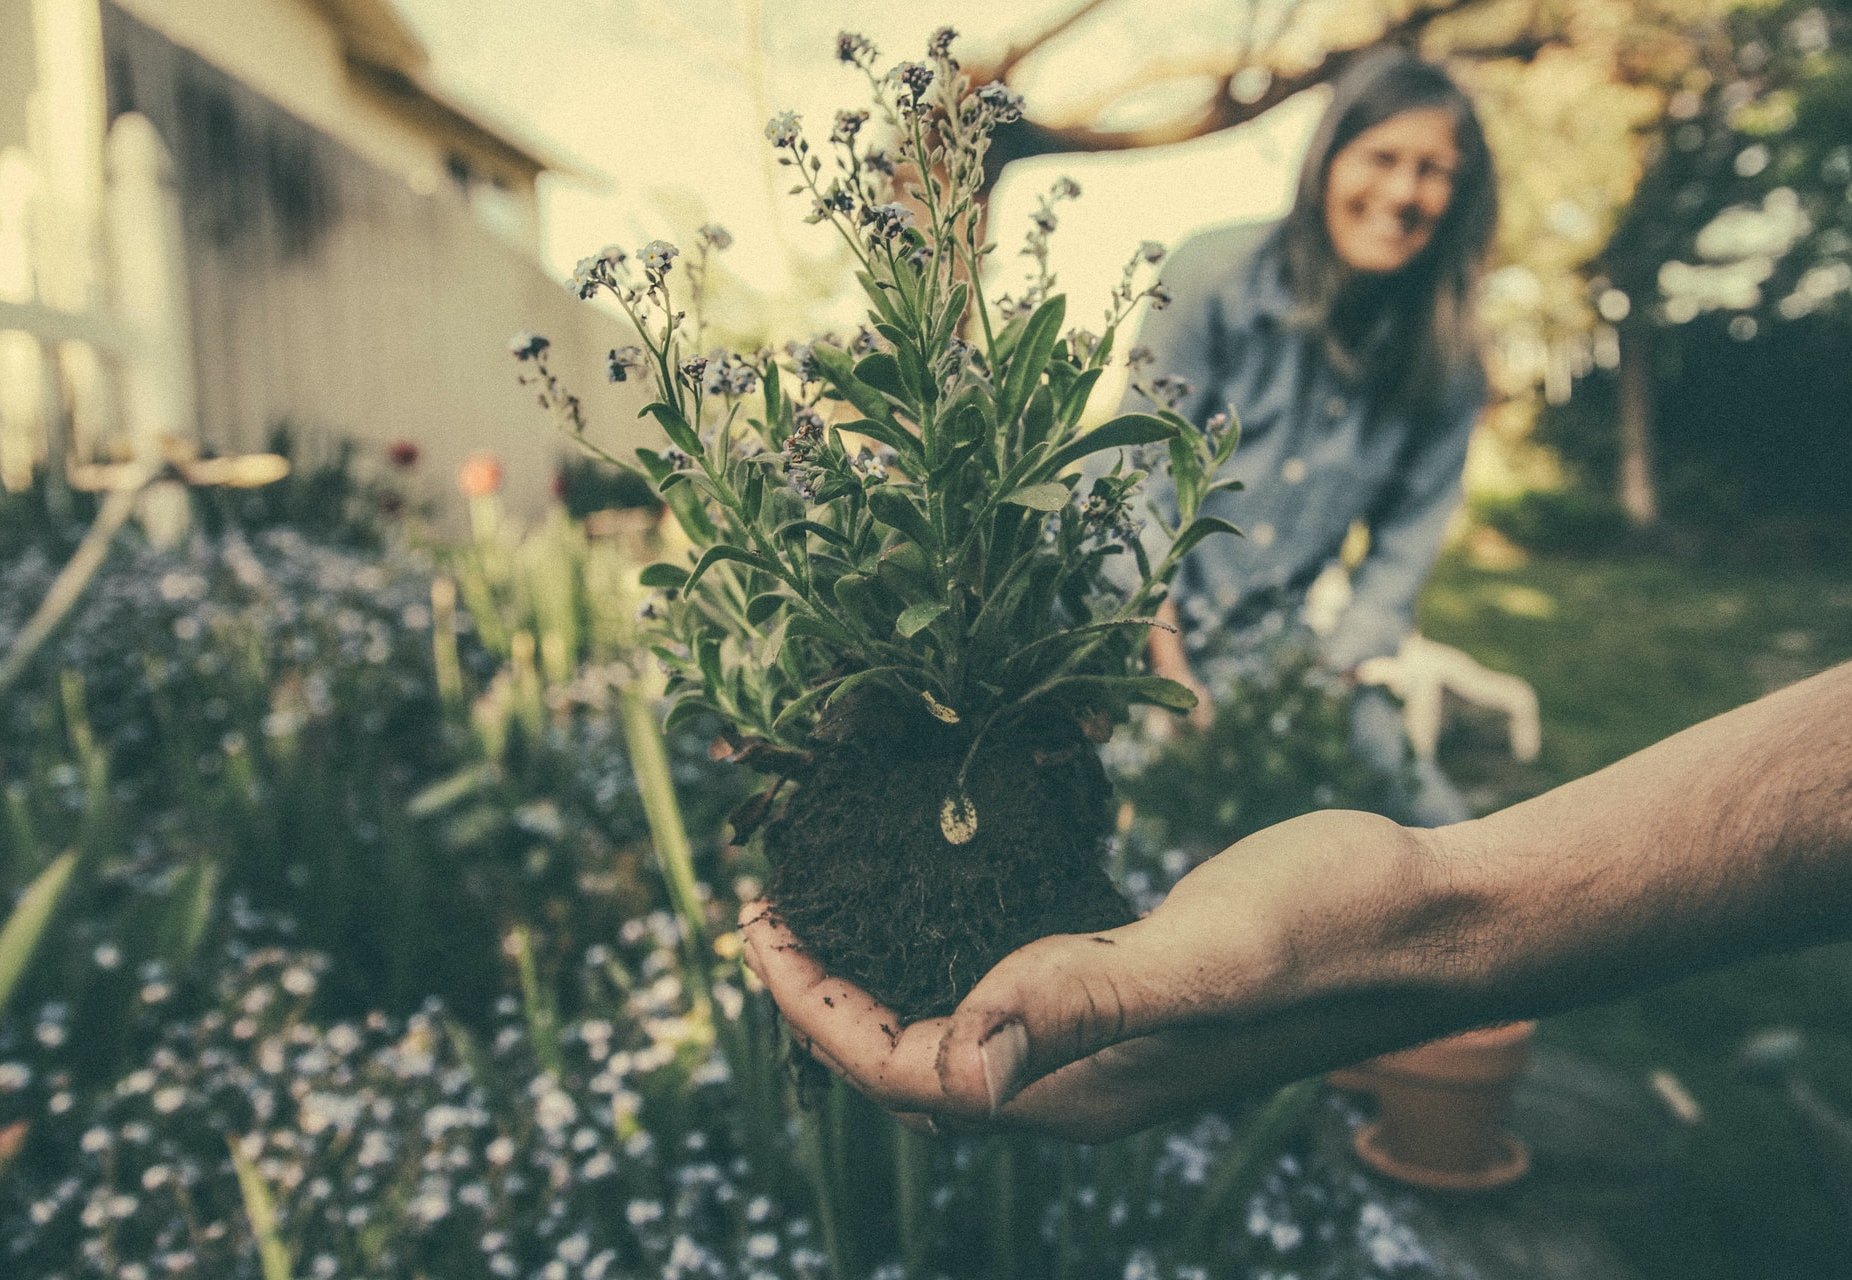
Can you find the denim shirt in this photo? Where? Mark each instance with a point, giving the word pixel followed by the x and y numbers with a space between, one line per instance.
pixel 1316 453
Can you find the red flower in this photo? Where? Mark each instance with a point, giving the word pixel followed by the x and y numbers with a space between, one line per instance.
pixel 403 454
pixel 480 475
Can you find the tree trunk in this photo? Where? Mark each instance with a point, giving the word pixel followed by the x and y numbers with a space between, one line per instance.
pixel 1639 493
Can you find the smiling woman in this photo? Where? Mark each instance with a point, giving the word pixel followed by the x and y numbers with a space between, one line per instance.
pixel 1342 339
pixel 1389 188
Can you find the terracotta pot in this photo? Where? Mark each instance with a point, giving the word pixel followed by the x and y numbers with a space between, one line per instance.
pixel 1440 1110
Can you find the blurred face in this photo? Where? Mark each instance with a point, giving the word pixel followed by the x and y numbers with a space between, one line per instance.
pixel 1388 188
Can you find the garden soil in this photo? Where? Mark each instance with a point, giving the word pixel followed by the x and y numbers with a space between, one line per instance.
pixel 862 874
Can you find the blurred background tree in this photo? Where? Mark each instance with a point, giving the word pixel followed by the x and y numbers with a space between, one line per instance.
pixel 1675 260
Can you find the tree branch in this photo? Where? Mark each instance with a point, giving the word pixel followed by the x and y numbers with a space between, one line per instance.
pixel 1024 47
pixel 1219 110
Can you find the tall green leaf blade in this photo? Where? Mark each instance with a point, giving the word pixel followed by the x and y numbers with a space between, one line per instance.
pixel 680 433
pixel 1031 356
pixel 260 1210
pixel 1074 401
pixel 19 938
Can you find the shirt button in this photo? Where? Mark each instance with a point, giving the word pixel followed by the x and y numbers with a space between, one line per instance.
pixel 1336 406
pixel 1292 471
pixel 1262 535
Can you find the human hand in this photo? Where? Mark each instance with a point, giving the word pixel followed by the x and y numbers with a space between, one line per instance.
pixel 1259 968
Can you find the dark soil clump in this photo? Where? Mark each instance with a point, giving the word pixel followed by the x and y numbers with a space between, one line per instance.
pixel 863 875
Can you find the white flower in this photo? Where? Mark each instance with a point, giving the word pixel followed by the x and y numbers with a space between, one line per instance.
pixel 657 256
pixel 554 1111
pixel 782 130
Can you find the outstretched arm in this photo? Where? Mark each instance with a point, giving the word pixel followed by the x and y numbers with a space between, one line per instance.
pixel 1339 935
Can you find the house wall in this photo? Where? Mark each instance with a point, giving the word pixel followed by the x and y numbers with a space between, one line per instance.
pixel 288 51
pixel 325 294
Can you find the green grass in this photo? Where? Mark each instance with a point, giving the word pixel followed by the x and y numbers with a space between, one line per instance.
pixel 1623 652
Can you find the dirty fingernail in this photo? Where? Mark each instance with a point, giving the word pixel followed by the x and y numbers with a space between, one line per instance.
pixel 1002 1054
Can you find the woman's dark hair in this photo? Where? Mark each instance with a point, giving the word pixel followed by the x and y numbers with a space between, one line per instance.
pixel 1425 317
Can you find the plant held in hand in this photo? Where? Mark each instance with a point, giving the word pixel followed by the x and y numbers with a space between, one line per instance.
pixel 898 599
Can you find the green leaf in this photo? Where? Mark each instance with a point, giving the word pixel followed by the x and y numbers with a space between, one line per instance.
pixel 1038 419
pixel 774 398
pixel 893 508
pixel 721 551
pixel 841 374
pixel 773 644
pixel 446 792
pixel 1049 496
pixel 1031 356
pixel 1153 690
pixel 260 1211
pixel 19 938
pixel 707 654
pixel 857 593
pixel 823 531
pixel 685 706
pixel 948 319
pixel 1186 472
pixel 878 296
pixel 917 618
pixel 1075 636
pixel 663 575
pixel 858 679
pixel 189 912
pixel 1074 401
pixel 1127 429
pixel 1200 528
pixel 761 607
pixel 893 435
pixel 680 433
pixel 882 372
pixel 686 504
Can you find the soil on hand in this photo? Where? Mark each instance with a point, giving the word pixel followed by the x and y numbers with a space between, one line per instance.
pixel 863 875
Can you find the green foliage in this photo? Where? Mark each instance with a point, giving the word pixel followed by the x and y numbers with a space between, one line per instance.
pixel 19 936
pixel 320 734
pixel 1743 208
pixel 1279 746
pixel 1558 521
pixel 899 510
